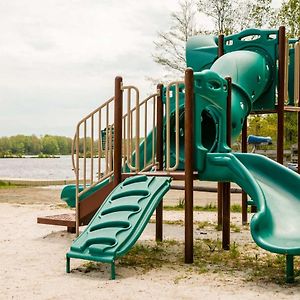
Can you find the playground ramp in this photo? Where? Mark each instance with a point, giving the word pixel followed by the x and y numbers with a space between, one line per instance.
pixel 120 220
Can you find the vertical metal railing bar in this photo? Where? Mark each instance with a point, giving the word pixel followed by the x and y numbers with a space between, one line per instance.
pixel 99 144
pixel 137 133
pixel 111 148
pixel 297 73
pixel 137 127
pixel 145 133
pixel 106 139
pixel 77 213
pixel 131 143
pixel 168 127
pixel 92 150
pixel 168 134
pixel 286 71
pixel 129 126
pixel 176 126
pixel 154 134
pixel 124 148
pixel 84 154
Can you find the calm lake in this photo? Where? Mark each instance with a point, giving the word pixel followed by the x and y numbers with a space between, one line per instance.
pixel 37 168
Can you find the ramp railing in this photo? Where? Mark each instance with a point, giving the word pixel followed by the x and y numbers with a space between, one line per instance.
pixel 172 87
pixel 297 74
pixel 139 131
pixel 93 143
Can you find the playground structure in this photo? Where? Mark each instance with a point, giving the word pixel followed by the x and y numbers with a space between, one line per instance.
pixel 227 79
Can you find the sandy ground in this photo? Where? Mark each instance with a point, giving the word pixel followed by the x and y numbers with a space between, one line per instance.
pixel 32 259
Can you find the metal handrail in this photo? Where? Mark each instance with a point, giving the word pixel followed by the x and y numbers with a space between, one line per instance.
pixel 168 152
pixel 286 70
pixel 75 153
pixel 88 180
pixel 129 128
pixel 95 111
pixel 297 74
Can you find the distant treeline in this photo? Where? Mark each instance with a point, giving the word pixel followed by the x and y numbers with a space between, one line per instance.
pixel 20 145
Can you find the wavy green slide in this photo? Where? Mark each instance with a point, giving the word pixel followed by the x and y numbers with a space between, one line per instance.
pixel 274 189
pixel 120 220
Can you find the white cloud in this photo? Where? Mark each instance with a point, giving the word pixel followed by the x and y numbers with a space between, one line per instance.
pixel 59 58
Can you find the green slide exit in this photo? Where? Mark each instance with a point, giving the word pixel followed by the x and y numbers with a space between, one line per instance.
pixel 275 191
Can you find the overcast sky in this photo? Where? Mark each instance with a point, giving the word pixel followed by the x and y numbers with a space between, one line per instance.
pixel 58 59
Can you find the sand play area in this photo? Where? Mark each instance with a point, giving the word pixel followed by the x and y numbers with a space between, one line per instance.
pixel 33 257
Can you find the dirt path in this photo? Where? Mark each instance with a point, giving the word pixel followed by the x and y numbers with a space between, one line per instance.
pixel 32 260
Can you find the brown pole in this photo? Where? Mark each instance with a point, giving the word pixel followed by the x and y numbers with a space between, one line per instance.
pixel 221 45
pixel 280 104
pixel 226 185
pixel 298 114
pixel 244 195
pixel 220 184
pixel 298 141
pixel 189 163
pixel 220 204
pixel 299 136
pixel 118 114
pixel 159 157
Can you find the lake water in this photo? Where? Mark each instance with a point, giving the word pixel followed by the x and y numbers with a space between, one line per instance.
pixel 37 168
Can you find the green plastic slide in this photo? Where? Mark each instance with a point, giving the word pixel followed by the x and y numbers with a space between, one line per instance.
pixel 274 190
pixel 120 220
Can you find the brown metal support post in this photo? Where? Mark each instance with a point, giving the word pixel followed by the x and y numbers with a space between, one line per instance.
pixel 189 163
pixel 159 157
pixel 298 115
pixel 220 204
pixel 221 45
pixel 220 184
pixel 244 195
pixel 226 185
pixel 299 137
pixel 118 114
pixel 280 104
pixel 298 142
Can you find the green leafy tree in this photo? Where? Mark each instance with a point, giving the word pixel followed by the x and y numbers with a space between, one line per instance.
pixel 5 145
pixel 50 145
pixel 34 146
pixel 64 144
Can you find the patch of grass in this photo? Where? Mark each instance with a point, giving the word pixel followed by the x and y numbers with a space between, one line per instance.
pixel 176 222
pixel 236 208
pixel 203 224
pixel 235 228
pixel 246 261
pixel 146 256
pixel 8 185
pixel 173 208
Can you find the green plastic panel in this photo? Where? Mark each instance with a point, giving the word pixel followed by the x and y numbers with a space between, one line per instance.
pixel 121 219
pixel 68 193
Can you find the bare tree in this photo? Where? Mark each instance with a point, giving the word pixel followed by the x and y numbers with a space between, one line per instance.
pixel 170 45
pixel 289 16
pixel 228 16
pixel 222 12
